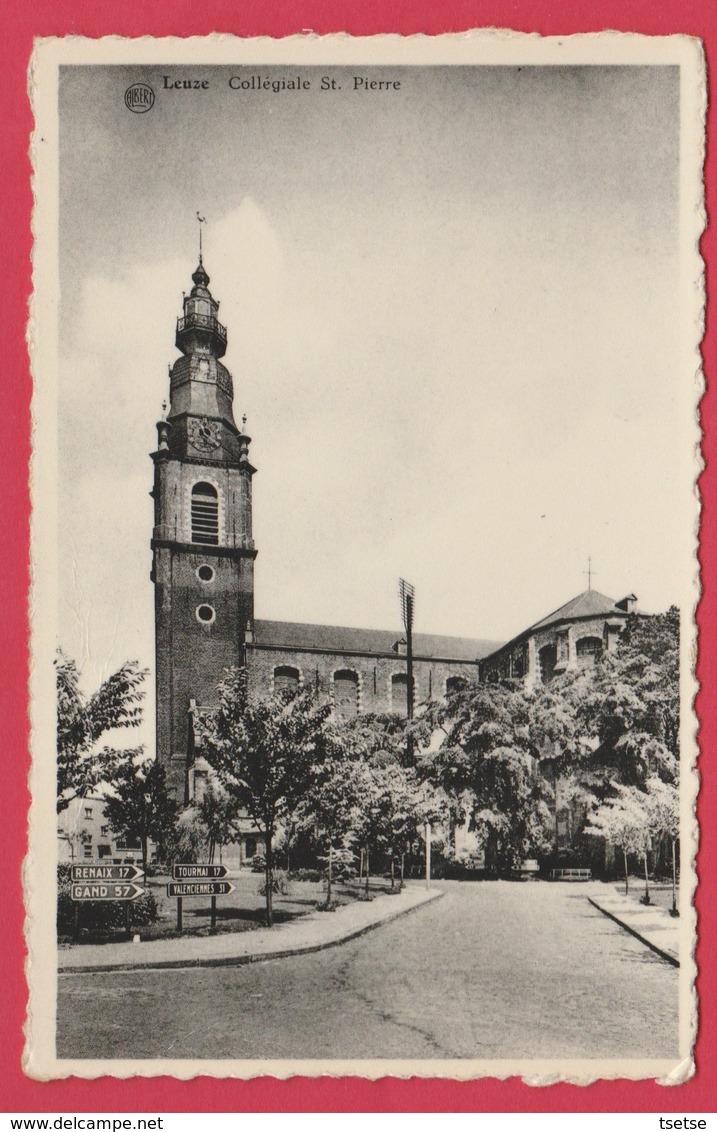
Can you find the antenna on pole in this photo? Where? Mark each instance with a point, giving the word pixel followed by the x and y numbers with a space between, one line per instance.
pixel 406 593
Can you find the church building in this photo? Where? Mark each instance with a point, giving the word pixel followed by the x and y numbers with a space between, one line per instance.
pixel 203 573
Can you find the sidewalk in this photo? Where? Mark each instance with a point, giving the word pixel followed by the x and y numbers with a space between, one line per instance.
pixel 652 925
pixel 309 933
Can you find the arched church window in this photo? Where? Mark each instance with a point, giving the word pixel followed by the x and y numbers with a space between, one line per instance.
pixel 588 650
pixel 205 514
pixel 346 683
pixel 547 659
pixel 399 690
pixel 286 679
pixel 455 684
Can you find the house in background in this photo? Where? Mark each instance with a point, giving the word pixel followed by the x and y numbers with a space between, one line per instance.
pixel 84 834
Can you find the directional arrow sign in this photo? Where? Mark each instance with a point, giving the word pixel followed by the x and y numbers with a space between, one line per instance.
pixel 113 890
pixel 200 888
pixel 198 872
pixel 105 872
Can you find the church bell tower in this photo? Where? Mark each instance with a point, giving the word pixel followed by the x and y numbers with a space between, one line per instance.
pixel 203 551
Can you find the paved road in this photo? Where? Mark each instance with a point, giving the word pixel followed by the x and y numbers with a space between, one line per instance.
pixel 490 970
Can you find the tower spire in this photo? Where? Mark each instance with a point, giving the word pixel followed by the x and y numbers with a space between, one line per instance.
pixel 202 220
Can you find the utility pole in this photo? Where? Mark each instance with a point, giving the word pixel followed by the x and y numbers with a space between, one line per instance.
pixel 407 595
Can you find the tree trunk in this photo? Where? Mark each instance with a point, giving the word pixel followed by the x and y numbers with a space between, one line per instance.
pixel 647 882
pixel 269 874
pixel 674 876
pixel 367 870
pixel 403 860
pixel 393 875
pixel 330 873
pixel 211 850
pixel 627 882
pixel 145 853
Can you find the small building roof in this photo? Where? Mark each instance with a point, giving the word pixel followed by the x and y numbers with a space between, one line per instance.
pixel 590 603
pixel 293 635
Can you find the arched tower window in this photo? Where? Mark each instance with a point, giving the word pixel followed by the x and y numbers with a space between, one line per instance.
pixel 346 684
pixel 286 679
pixel 205 514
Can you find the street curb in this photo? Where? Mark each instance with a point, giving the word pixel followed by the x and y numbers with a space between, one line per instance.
pixel 255 957
pixel 643 939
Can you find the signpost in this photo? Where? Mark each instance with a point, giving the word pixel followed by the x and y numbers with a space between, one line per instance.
pixel 105 872
pixel 93 881
pixel 199 880
pixel 199 872
pixel 200 888
pixel 106 891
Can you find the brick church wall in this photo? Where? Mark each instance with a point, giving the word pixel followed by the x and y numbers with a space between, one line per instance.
pixel 376 692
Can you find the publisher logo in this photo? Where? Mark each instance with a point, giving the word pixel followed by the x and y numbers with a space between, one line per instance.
pixel 139 98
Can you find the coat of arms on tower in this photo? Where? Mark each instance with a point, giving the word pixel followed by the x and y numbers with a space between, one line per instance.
pixel 204 434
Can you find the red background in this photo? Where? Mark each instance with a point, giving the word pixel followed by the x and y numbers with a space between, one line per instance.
pixel 19 23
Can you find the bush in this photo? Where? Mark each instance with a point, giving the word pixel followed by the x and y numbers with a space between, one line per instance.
pixel 326 906
pixel 305 874
pixel 279 884
pixel 258 863
pixel 99 914
pixel 187 843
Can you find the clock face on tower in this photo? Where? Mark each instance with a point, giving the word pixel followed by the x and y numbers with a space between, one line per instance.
pixel 204 434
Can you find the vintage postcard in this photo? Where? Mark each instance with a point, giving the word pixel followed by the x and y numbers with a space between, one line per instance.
pixel 365 528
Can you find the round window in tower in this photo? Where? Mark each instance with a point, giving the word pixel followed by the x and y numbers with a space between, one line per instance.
pixel 205 573
pixel 205 614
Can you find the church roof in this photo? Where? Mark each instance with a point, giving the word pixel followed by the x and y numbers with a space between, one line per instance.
pixel 587 604
pixel 340 639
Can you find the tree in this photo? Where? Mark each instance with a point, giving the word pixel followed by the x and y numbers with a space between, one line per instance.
pixel 219 815
pixel 264 752
pixel 141 805
pixel 488 764
pixel 329 809
pixel 624 822
pixel 82 721
pixel 632 705
pixel 371 826
pixel 663 809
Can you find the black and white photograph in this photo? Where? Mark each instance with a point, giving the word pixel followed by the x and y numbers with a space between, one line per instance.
pixel 365 519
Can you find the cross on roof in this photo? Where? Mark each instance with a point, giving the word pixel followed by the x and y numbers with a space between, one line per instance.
pixel 590 573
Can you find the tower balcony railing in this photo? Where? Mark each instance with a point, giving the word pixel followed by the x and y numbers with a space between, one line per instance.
pixel 202 322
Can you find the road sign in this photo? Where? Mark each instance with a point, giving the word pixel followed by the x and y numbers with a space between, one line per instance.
pixel 200 888
pixel 198 872
pixel 105 872
pixel 117 890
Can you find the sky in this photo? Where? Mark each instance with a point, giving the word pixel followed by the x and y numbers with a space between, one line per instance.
pixel 452 317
